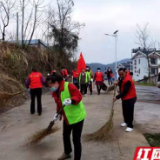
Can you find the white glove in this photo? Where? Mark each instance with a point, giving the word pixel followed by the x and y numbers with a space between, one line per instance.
pixel 67 102
pixel 91 79
pixel 56 117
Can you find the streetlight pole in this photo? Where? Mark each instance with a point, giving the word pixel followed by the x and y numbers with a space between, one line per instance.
pixel 116 40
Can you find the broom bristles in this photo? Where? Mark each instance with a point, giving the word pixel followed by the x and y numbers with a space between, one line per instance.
pixel 37 137
pixel 110 88
pixel 104 133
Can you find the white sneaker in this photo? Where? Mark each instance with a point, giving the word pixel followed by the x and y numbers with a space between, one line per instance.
pixel 129 129
pixel 123 124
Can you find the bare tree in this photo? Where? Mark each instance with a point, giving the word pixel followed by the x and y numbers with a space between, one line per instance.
pixel 154 43
pixel 31 11
pixel 143 41
pixel 6 7
pixel 65 32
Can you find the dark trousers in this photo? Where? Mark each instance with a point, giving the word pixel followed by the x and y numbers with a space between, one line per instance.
pixel 110 81
pixel 128 111
pixel 77 85
pixel 90 87
pixel 76 130
pixel 83 89
pixel 99 87
pixel 37 92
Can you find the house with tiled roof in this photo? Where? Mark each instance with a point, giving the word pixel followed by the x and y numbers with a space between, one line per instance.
pixel 144 61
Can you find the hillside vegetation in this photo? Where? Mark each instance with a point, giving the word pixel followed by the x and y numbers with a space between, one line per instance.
pixel 15 65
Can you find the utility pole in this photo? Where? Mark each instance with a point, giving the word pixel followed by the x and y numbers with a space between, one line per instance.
pixel 116 38
pixel 22 30
pixel 17 35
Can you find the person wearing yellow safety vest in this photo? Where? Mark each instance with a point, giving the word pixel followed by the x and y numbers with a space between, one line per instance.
pixel 90 75
pixel 67 95
pixel 83 80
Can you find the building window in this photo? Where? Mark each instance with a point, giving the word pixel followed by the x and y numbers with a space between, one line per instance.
pixel 139 61
pixel 153 61
pixel 135 62
pixel 154 71
pixel 139 71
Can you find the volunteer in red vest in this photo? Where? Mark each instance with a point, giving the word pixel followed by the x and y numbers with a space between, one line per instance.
pixel 128 96
pixel 53 71
pixel 35 82
pixel 109 74
pixel 75 76
pixel 74 113
pixel 98 78
pixel 64 73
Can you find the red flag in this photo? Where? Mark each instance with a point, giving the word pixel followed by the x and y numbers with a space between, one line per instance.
pixel 81 64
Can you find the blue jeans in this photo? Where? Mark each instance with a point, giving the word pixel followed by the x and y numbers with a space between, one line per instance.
pixel 110 82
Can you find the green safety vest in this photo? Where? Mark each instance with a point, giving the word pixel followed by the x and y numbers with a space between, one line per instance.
pixel 74 113
pixel 89 75
pixel 86 74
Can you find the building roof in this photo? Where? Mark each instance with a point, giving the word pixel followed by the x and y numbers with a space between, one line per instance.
pixel 138 53
pixel 32 42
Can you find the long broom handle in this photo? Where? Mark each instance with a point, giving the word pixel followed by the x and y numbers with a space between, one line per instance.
pixel 52 122
pixel 114 94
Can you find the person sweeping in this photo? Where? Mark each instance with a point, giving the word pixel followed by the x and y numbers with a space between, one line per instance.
pixel 128 96
pixel 67 95
pixel 35 82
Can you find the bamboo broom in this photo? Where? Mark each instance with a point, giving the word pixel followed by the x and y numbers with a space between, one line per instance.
pixel 38 136
pixel 107 131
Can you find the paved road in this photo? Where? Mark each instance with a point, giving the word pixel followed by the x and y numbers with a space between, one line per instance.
pixel 148 94
pixel 17 125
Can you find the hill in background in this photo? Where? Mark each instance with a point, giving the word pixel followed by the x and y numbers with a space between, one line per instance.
pixel 104 67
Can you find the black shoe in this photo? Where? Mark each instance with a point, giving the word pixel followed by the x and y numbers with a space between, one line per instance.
pixel 39 114
pixel 90 93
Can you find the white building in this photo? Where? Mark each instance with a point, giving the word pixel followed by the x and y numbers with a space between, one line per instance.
pixel 140 64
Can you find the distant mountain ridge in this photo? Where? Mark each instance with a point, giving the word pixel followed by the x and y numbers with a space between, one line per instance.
pixel 104 67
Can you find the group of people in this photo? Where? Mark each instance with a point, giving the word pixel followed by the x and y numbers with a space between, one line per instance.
pixel 68 97
pixel 85 79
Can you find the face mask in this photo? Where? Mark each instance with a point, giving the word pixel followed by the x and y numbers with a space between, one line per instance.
pixel 99 70
pixel 53 89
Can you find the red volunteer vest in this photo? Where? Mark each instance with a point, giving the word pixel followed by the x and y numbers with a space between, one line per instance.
pixel 99 76
pixel 132 91
pixel 64 73
pixel 75 74
pixel 35 80
pixel 53 71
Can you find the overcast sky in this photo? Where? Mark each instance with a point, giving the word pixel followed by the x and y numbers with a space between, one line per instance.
pixel 106 16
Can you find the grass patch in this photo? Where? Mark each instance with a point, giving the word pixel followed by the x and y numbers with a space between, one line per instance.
pixel 145 84
pixel 153 139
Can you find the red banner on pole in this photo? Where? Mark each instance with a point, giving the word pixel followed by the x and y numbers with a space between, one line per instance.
pixel 81 63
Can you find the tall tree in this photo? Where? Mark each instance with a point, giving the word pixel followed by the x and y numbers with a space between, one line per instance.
pixel 6 7
pixel 31 11
pixel 65 32
pixel 143 42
